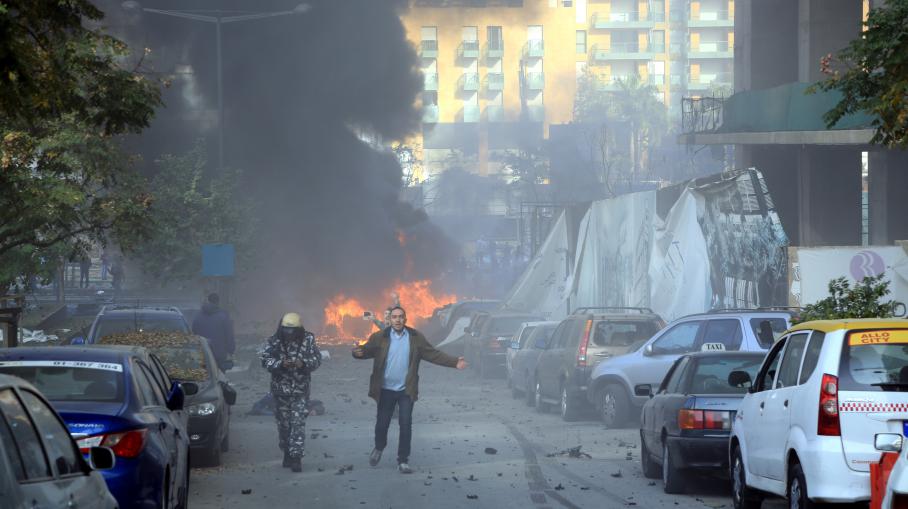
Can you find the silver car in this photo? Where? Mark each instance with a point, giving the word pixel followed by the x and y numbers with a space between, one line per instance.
pixel 617 385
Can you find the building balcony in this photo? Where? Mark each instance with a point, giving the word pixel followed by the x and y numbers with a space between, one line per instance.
pixel 534 49
pixel 494 49
pixel 535 80
pixel 430 81
pixel 495 113
pixel 621 51
pixel 430 114
pixel 468 49
pixel 536 112
pixel 711 81
pixel 494 81
pixel 468 82
pixel 428 49
pixel 709 19
pixel 470 114
pixel 716 49
pixel 617 20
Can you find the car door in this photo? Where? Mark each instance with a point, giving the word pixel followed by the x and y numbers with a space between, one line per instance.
pixel 666 412
pixel 72 475
pixel 651 425
pixel 661 353
pixel 155 404
pixel 180 417
pixel 777 414
pixel 550 359
pixel 33 472
pixel 751 412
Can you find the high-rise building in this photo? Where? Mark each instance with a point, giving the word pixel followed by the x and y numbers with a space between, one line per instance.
pixel 499 72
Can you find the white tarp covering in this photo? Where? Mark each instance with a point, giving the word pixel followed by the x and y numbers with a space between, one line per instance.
pixel 544 285
pixel 813 268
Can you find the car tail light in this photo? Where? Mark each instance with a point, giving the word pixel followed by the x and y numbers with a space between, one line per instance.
pixel 828 415
pixel 584 343
pixel 127 444
pixel 704 419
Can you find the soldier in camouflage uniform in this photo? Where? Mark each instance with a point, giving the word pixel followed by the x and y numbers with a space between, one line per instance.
pixel 291 355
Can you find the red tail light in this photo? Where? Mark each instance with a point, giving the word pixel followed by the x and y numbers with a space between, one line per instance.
pixel 828 415
pixel 704 419
pixel 584 343
pixel 127 444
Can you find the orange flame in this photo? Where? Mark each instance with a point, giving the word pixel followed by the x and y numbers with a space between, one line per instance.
pixel 344 315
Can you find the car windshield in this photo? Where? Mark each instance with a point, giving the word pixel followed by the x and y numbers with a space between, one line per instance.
pixel 108 326
pixel 711 373
pixel 876 360
pixel 767 329
pixel 184 363
pixel 70 380
pixel 623 333
pixel 508 325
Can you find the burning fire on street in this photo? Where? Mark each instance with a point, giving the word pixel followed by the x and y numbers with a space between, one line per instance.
pixel 344 323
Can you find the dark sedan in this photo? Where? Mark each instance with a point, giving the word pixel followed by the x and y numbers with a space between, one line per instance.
pixel 686 424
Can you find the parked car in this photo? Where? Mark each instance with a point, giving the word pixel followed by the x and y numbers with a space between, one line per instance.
pixel 456 341
pixel 895 495
pixel 524 352
pixel 523 332
pixel 188 358
pixel 117 318
pixel 40 465
pixel 122 398
pixel 581 341
pixel 454 319
pixel 806 428
pixel 487 344
pixel 611 387
pixel 686 423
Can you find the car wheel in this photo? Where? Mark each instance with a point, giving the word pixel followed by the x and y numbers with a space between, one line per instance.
pixel 613 406
pixel 797 489
pixel 541 406
pixel 569 411
pixel 211 457
pixel 530 392
pixel 651 469
pixel 184 492
pixel 672 478
pixel 741 496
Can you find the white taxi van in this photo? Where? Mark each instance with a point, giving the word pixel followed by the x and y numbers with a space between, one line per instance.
pixel 805 430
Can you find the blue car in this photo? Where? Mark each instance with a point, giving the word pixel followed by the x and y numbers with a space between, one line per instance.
pixel 121 398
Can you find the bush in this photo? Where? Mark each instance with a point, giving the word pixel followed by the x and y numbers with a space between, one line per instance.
pixel 864 300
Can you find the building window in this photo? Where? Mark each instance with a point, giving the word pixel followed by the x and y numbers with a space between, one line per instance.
pixel 581 41
pixel 657 41
pixel 429 39
pixel 495 38
pixel 567 3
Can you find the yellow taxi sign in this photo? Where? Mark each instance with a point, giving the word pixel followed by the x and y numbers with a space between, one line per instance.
pixel 878 337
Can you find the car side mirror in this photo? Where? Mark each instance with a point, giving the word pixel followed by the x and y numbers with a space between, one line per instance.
pixel 643 390
pixel 101 458
pixel 888 442
pixel 740 379
pixel 229 393
pixel 177 397
pixel 189 388
pixel 648 350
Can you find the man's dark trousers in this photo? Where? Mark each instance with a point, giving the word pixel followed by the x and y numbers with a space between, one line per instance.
pixel 386 403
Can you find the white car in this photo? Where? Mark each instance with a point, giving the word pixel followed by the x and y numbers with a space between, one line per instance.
pixel 805 430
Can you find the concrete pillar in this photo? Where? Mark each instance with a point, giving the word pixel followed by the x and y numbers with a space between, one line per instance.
pixel 765 33
pixel 824 26
pixel 829 190
pixel 888 207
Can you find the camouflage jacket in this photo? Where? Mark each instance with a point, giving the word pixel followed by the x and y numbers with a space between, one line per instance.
pixel 291 381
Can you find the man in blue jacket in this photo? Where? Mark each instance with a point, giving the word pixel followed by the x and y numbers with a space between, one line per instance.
pixel 214 324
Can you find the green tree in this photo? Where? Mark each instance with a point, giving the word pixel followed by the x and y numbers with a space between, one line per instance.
pixel 65 97
pixel 872 75
pixel 190 210
pixel 864 300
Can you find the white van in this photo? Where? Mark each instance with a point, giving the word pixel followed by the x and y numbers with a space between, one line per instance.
pixel 806 428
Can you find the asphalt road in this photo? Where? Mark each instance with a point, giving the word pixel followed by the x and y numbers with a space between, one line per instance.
pixel 456 419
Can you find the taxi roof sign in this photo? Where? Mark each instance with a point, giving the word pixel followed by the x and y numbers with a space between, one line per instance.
pixel 878 337
pixel 713 347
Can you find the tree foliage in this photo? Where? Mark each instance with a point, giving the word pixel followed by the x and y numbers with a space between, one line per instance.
pixel 65 97
pixel 190 210
pixel 872 74
pixel 864 300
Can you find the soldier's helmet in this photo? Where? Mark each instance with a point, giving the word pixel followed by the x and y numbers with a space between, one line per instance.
pixel 291 320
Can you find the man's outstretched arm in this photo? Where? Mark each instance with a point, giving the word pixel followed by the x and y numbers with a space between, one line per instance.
pixel 435 356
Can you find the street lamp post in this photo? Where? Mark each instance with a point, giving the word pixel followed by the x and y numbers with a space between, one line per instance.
pixel 218 18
